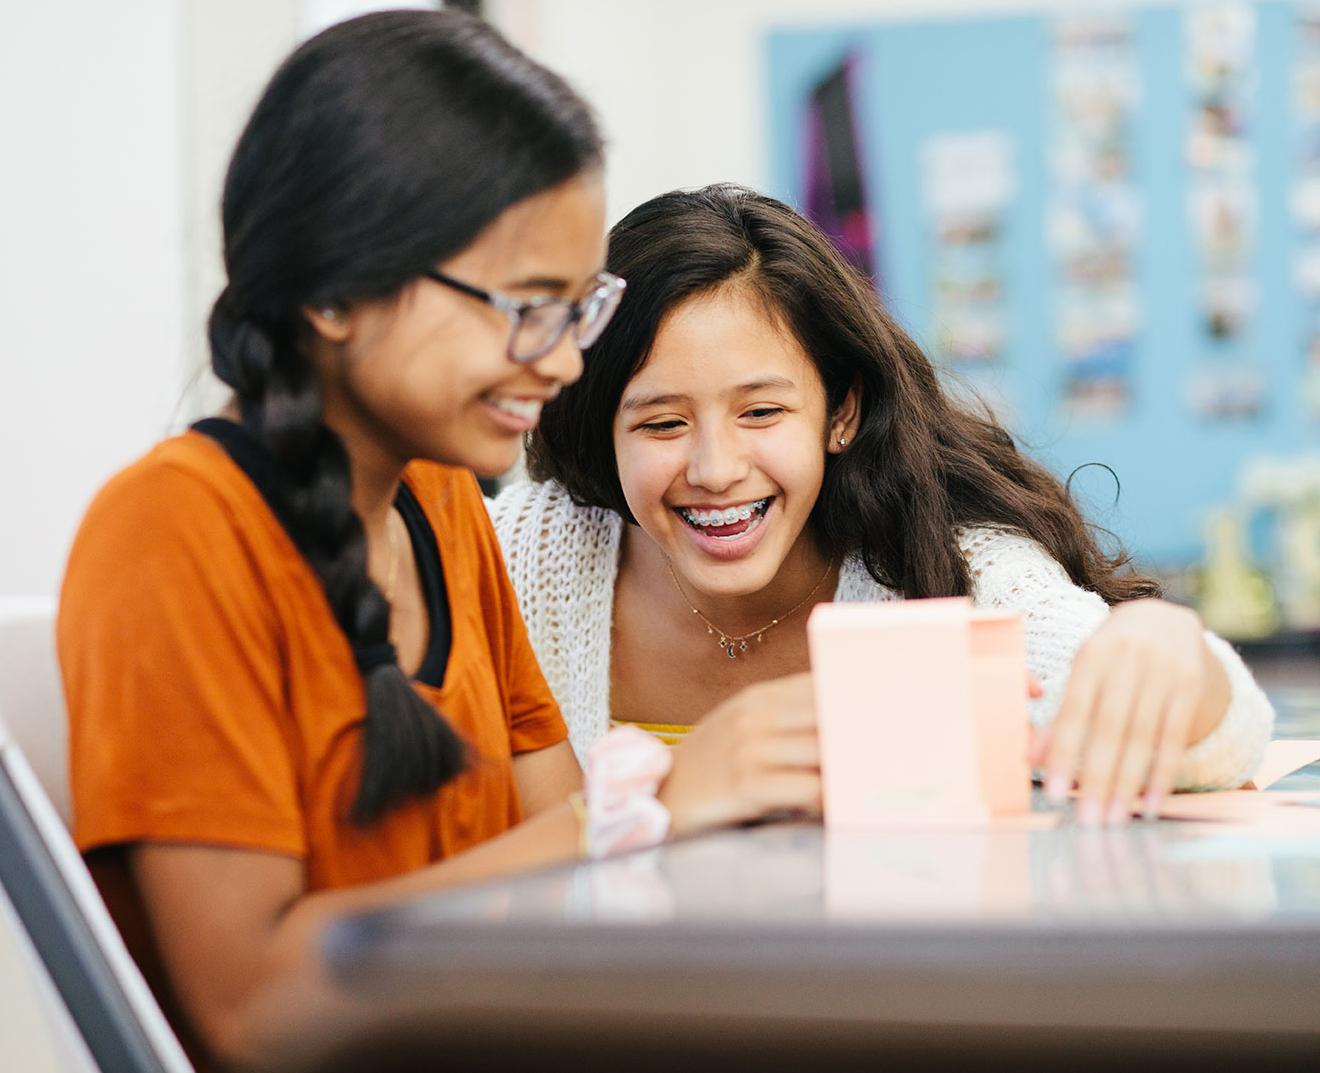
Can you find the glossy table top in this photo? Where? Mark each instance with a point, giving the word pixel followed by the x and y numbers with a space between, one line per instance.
pixel 1141 934
pixel 1165 874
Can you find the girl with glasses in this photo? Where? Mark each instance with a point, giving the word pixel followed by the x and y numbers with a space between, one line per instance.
pixel 753 435
pixel 297 677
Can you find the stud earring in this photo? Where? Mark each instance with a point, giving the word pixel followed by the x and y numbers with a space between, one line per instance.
pixel 330 313
pixel 843 441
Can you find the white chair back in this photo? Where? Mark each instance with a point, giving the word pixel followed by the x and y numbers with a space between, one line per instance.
pixel 31 697
pixel 39 1034
pixel 47 886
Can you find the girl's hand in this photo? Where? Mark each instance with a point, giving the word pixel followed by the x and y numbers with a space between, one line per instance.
pixel 1143 687
pixel 751 756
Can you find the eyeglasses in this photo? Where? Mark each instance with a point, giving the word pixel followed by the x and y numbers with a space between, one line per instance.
pixel 537 324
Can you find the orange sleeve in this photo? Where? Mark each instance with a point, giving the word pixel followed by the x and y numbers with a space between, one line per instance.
pixel 535 721
pixel 171 654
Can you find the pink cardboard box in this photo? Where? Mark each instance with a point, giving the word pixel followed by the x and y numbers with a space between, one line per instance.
pixel 922 713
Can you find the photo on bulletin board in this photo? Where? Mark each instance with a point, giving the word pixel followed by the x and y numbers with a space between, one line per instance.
pixel 968 182
pixel 1133 260
pixel 1222 77
pixel 1305 199
pixel 835 191
pixel 1095 218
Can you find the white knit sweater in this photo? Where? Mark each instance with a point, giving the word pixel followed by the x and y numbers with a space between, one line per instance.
pixel 564 560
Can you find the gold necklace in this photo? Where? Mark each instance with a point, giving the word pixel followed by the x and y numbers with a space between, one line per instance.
pixel 735 644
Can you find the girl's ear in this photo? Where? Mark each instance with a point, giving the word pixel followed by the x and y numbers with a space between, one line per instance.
pixel 843 425
pixel 331 323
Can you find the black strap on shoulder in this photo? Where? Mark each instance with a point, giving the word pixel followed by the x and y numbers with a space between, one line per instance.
pixel 253 459
pixel 251 456
pixel 434 590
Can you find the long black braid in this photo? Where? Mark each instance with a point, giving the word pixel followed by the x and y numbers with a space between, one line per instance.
pixel 380 147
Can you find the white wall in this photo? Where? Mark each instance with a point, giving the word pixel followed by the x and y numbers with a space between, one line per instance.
pixel 119 120
pixel 678 84
pixel 92 261
pixel 232 49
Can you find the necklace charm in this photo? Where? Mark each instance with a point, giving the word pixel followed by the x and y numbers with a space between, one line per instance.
pixel 733 646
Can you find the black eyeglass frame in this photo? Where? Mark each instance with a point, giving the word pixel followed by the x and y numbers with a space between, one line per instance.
pixel 607 289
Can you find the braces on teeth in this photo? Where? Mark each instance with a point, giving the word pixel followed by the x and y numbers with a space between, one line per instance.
pixel 725 517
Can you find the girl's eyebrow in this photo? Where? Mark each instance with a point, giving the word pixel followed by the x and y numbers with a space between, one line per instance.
pixel 555 285
pixel 552 284
pixel 641 402
pixel 761 383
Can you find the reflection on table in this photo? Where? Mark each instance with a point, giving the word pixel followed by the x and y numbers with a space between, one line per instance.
pixel 785 946
pixel 1156 875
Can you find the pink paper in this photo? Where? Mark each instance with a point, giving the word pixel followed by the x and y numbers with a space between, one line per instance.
pixel 921 712
pixel 1281 759
pixel 1267 813
pixel 999 701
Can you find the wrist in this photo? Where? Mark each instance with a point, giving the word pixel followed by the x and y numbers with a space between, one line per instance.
pixel 1215 698
pixel 679 816
pixel 578 804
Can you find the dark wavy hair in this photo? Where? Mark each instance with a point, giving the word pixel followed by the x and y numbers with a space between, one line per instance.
pixel 380 147
pixel 919 466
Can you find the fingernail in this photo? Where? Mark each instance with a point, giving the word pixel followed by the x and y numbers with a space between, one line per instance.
pixel 1151 805
pixel 1056 789
pixel 1118 814
pixel 1090 812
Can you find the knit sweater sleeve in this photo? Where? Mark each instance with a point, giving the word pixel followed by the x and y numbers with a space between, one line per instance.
pixel 562 560
pixel 1015 573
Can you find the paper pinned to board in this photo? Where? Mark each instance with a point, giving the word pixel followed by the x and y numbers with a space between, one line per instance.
pixel 1283 758
pixel 921 709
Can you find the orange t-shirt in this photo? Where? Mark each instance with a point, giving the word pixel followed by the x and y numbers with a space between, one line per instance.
pixel 214 699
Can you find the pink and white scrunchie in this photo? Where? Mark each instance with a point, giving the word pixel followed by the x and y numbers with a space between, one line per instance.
pixel 623 772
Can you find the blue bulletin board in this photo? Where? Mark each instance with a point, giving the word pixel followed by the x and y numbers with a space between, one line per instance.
pixel 1209 266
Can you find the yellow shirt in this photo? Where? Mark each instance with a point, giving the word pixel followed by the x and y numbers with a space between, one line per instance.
pixel 669 733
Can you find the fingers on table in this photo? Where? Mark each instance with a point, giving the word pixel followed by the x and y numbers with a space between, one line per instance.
pixel 1173 737
pixel 1070 729
pixel 787 704
pixel 1138 752
pixel 790 750
pixel 787 789
pixel 1107 741
pixel 1116 734
pixel 1038 744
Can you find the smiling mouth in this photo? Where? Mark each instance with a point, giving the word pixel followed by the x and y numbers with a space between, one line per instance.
pixel 523 409
pixel 728 524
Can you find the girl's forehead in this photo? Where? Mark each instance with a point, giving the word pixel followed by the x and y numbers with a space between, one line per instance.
pixel 735 305
pixel 719 375
pixel 721 335
pixel 557 234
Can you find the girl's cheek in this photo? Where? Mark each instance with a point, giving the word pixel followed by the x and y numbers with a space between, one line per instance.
pixel 653 483
pixel 633 478
pixel 649 491
pixel 794 464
